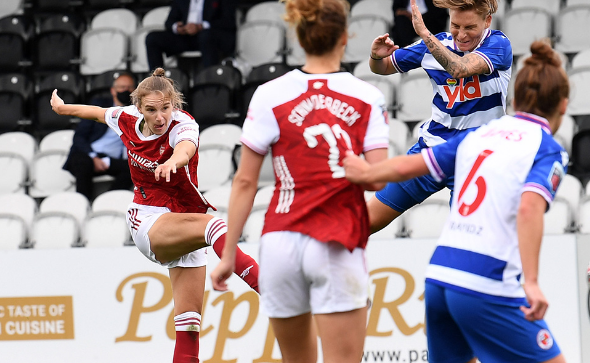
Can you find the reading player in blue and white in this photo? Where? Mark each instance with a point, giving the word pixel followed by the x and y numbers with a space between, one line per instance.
pixel 469 68
pixel 506 173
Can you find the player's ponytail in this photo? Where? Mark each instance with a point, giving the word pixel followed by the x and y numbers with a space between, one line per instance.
pixel 542 83
pixel 319 24
pixel 158 82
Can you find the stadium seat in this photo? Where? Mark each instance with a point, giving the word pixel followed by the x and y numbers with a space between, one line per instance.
pixel 70 88
pixel 414 97
pixel 119 18
pixel 224 134
pixel 139 62
pixel 10 7
pixel 13 48
pixel 584 215
pixel 16 154
pixel 523 26
pixel 267 10
pixel 47 176
pixel 434 211
pixel 399 134
pixel 215 166
pixel 379 8
pixel 295 55
pixel 180 78
pixel 572 25
pixel 17 212
pixel 103 50
pixel 219 198
pixel 15 94
pixel 551 6
pixel 580 162
pixel 57 43
pixel 579 79
pixel 566 132
pixel 560 217
pixel 385 86
pixel 257 76
pixel 259 42
pixel 581 59
pixel 60 140
pixel 212 99
pixel 99 86
pixel 362 30
pixel 571 190
pixel 59 221
pixel 155 17
pixel 105 225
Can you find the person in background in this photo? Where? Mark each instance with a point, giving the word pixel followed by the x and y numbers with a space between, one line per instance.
pixel 435 19
pixel 507 173
pixel 208 26
pixel 97 150
pixel 313 276
pixel 469 68
pixel 167 219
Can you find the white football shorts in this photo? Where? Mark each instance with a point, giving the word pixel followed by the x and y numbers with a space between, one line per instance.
pixel 140 218
pixel 299 274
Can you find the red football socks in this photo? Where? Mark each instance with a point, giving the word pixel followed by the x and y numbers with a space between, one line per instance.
pixel 246 266
pixel 187 337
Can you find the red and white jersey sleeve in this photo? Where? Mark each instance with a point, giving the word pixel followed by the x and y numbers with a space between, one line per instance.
pixel 309 121
pixel 145 153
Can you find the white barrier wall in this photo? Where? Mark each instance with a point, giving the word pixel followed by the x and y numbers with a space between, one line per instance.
pixel 113 305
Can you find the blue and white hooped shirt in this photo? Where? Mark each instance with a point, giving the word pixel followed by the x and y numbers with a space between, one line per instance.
pixel 460 104
pixel 493 165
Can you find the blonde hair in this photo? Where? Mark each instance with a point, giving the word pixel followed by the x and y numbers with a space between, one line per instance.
pixel 542 83
pixel 159 83
pixel 481 7
pixel 319 24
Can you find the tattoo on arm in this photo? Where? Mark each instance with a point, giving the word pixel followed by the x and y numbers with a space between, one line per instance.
pixel 458 67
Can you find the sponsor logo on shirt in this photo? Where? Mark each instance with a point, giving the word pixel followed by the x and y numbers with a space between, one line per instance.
pixel 116 112
pixel 544 339
pixel 142 163
pixel 462 92
pixel 555 176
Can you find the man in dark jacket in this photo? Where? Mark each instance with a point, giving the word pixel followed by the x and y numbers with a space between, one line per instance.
pixel 208 26
pixel 98 150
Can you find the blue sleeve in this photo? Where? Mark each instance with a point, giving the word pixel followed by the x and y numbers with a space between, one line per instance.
pixel 440 159
pixel 548 169
pixel 410 57
pixel 496 50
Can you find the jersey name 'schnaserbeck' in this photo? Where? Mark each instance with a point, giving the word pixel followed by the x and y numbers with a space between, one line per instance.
pixel 493 165
pixel 309 122
pixel 146 153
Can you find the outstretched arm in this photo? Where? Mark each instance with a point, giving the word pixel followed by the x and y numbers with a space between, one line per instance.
pixel 243 190
pixel 391 170
pixel 183 152
pixel 529 224
pixel 458 67
pixel 82 111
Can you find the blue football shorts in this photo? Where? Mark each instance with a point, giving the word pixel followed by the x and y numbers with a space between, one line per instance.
pixel 404 195
pixel 460 326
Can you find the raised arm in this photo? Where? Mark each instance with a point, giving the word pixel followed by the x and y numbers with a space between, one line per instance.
pixel 529 224
pixel 88 112
pixel 458 67
pixel 380 60
pixel 243 190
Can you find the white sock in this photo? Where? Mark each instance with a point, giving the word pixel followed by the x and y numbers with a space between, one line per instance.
pixel 189 321
pixel 215 229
